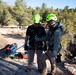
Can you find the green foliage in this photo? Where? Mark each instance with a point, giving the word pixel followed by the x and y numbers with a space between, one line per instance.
pixel 44 6
pixel 0 1
pixel 6 17
pixel 21 2
pixel 22 15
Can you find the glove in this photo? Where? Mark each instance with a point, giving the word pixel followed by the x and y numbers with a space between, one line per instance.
pixel 25 47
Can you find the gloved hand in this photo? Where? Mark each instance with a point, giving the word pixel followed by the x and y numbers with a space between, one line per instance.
pixel 25 47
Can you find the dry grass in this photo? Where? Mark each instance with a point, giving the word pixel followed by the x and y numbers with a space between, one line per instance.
pixel 6 31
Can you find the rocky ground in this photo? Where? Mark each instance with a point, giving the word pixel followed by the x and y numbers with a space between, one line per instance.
pixel 17 66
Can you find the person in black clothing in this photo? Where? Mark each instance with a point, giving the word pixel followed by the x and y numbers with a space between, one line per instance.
pixel 34 46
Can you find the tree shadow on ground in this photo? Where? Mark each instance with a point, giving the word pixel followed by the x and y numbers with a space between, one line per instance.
pixel 9 68
pixel 15 36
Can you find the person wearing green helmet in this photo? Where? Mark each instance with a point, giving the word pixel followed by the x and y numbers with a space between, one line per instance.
pixel 33 30
pixel 53 38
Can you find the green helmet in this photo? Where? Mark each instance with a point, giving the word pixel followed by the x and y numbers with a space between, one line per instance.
pixel 36 18
pixel 51 17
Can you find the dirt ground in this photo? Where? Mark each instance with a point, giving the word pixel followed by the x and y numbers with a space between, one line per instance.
pixel 17 66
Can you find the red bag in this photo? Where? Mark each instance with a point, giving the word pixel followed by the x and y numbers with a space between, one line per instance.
pixel 8 49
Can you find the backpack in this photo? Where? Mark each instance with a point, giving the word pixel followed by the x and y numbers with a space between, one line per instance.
pixel 10 49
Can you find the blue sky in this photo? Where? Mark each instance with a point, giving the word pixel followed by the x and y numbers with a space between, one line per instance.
pixel 50 3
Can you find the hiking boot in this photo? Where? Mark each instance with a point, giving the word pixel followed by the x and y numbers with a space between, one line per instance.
pixel 53 69
pixel 28 70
